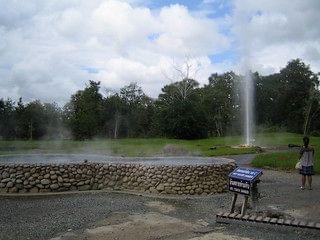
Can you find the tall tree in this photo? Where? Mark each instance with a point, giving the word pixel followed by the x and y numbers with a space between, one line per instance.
pixel 221 103
pixel 84 112
pixel 137 112
pixel 31 120
pixel 7 119
pixel 288 98
pixel 179 115
pixel 299 81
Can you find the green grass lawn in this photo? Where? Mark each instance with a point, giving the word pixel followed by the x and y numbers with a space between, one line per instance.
pixel 127 147
pixel 281 161
pixel 155 146
pixel 284 160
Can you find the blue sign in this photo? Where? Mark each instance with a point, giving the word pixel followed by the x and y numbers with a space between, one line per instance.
pixel 246 174
pixel 241 179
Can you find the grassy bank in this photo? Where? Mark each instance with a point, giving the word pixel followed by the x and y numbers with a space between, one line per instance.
pixel 281 161
pixel 126 147
pixel 284 160
pixel 152 146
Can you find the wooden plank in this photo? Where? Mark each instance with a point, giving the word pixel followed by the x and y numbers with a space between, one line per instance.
pixel 311 224
pixel 266 219
pixel 273 220
pixel 232 215
pixel 226 214
pixel 295 223
pixel 287 222
pixel 245 217
pixel 252 217
pixel 280 221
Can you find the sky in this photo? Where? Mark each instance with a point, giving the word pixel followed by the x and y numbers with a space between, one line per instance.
pixel 50 49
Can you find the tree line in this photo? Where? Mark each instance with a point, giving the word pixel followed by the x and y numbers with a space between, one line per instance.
pixel 289 100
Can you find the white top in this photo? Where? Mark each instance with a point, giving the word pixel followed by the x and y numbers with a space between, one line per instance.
pixel 307 156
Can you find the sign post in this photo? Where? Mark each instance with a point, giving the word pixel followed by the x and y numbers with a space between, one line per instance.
pixel 243 181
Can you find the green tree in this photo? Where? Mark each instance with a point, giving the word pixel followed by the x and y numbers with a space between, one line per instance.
pixel 269 97
pixel 179 111
pixel 298 81
pixel 137 111
pixel 84 113
pixel 7 119
pixel 221 103
pixel 31 120
pixel 288 98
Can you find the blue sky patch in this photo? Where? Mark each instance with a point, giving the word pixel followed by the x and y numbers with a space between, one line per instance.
pixel 229 55
pixel 192 5
pixel 90 69
pixel 153 36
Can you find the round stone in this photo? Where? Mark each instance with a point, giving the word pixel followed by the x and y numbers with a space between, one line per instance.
pixel 27 174
pixel 5 175
pixel 9 184
pixel 45 181
pixel 54 186
pixel 5 180
pixel 53 177
pixel 160 187
pixel 80 183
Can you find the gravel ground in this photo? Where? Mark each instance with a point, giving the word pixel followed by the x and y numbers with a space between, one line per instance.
pixel 45 217
pixel 243 159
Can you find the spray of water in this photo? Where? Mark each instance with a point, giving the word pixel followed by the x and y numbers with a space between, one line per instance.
pixel 248 100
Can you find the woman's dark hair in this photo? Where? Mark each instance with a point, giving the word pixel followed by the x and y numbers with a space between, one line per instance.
pixel 306 141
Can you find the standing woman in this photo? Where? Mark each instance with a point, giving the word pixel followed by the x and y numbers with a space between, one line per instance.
pixel 307 161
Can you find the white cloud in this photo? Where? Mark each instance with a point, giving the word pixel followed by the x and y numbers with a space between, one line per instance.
pixel 270 33
pixel 184 33
pixel 49 49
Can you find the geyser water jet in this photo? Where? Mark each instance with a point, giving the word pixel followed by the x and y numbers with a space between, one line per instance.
pixel 248 101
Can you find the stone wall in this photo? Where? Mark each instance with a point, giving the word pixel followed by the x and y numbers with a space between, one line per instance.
pixel 185 179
